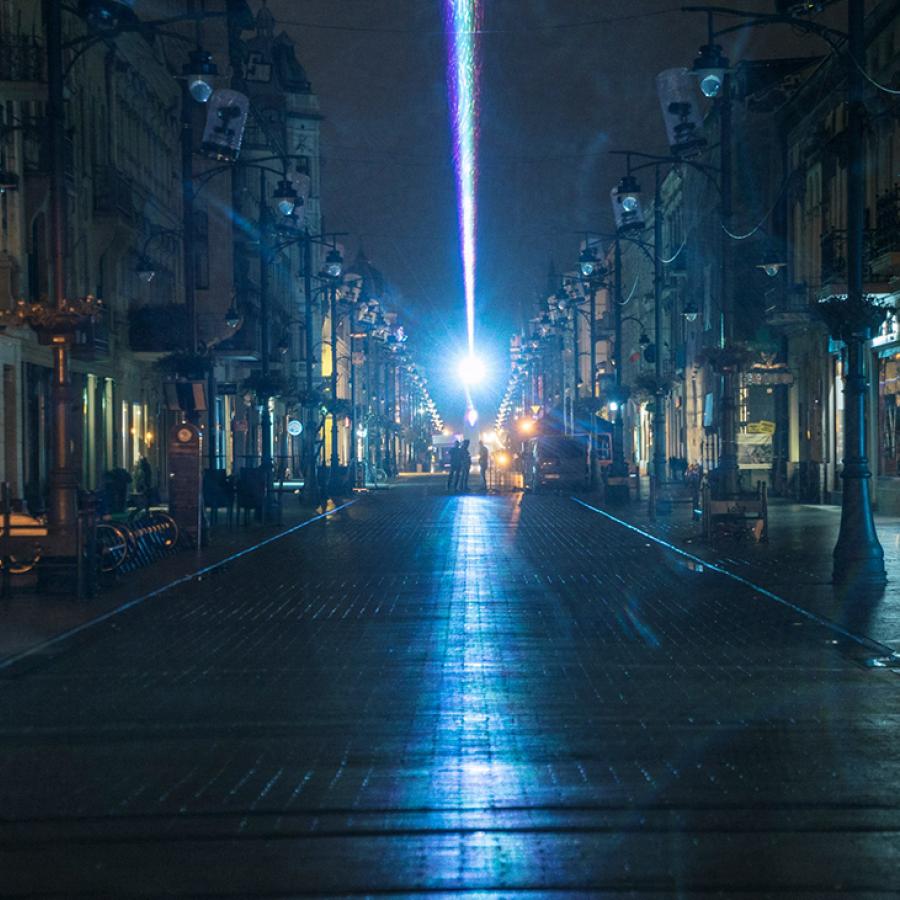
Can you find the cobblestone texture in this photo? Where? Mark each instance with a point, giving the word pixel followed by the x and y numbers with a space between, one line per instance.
pixel 435 694
pixel 796 561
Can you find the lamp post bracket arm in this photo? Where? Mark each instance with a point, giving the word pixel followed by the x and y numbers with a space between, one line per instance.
pixel 754 18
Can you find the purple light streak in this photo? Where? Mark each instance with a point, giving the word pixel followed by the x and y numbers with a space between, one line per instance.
pixel 462 24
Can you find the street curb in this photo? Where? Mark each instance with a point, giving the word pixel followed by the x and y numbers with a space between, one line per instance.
pixel 10 661
pixel 862 640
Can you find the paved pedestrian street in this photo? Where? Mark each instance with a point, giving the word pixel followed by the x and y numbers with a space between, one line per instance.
pixel 435 694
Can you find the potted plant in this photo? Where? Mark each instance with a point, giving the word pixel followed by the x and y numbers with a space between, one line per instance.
pixel 646 387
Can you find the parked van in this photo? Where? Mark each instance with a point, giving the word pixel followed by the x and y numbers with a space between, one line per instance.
pixel 557 462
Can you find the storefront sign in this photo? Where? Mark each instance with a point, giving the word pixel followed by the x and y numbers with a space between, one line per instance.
pixel 294 427
pixel 754 451
pixel 768 376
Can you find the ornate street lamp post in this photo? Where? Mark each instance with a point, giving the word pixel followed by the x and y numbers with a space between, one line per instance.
pixel 58 319
pixel 334 266
pixel 628 215
pixel 858 554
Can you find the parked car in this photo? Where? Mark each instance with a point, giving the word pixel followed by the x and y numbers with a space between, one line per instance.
pixel 557 462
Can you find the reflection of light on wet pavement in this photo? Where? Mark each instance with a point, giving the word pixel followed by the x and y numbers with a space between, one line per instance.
pixel 474 773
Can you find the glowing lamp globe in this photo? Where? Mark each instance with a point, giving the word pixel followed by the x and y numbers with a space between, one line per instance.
pixel 711 85
pixel 472 417
pixel 334 263
pixel 285 197
pixel 201 90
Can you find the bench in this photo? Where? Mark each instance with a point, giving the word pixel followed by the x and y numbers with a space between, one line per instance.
pixel 20 545
pixel 744 515
pixel 667 494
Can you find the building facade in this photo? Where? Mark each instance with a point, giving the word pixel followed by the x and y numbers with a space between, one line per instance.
pixel 134 192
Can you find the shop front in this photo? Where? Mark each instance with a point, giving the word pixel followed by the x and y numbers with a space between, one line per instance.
pixel 887 457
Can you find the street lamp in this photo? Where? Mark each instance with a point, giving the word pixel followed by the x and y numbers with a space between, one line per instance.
pixel 710 67
pixel 858 554
pixel 593 275
pixel 232 317
pixel 146 268
pixel 334 266
pixel 587 262
pixel 772 260
pixel 332 271
pixel 285 197
pixel 711 64
pixel 651 353
pixel 626 202
pixel 58 319
pixel 105 15
pixel 334 263
pixel 199 70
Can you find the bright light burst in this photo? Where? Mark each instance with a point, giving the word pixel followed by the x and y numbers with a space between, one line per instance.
pixel 463 22
pixel 471 370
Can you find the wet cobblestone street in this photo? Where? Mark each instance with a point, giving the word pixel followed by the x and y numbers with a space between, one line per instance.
pixel 434 694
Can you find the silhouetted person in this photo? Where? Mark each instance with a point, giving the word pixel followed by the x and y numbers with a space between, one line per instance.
pixel 484 459
pixel 455 466
pixel 464 466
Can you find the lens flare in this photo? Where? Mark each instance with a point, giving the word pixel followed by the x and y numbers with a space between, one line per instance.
pixel 463 22
pixel 471 370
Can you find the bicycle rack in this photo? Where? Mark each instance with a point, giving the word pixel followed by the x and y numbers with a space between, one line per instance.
pixel 146 540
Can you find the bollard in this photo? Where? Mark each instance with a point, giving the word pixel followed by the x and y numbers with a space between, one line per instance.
pixel 87 546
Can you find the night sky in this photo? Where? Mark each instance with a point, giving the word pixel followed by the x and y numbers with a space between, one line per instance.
pixel 563 82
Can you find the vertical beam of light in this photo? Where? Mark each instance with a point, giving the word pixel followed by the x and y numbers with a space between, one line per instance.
pixel 462 24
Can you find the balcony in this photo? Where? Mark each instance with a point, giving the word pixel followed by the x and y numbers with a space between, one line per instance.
pixel 243 345
pixel 886 241
pixel 834 264
pixel 834 256
pixel 158 329
pixel 790 312
pixel 92 341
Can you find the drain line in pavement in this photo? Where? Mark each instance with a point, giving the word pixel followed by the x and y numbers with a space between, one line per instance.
pixel 184 579
pixel 869 643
